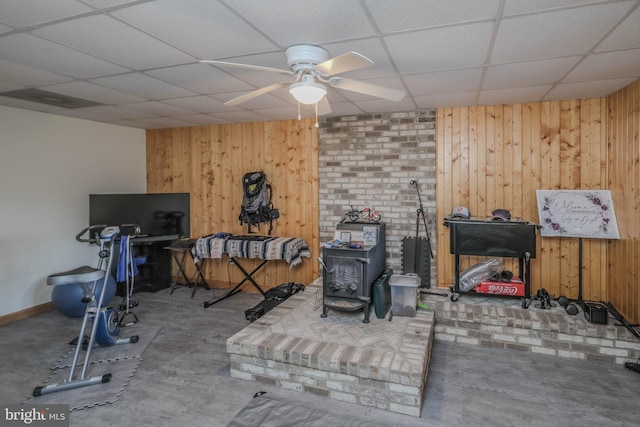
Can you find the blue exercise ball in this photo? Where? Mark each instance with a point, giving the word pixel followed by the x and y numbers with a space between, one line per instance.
pixel 67 299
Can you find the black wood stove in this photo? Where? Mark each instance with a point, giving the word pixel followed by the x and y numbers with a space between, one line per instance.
pixel 509 239
pixel 348 273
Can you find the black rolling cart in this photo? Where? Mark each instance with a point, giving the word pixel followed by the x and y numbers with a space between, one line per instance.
pixel 501 239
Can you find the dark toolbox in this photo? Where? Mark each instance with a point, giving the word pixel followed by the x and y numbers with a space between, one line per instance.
pixel 595 312
pixel 382 294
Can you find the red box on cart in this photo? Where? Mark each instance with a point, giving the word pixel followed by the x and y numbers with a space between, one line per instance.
pixel 514 288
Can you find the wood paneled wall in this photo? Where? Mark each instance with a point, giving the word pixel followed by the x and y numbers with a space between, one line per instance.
pixel 209 162
pixel 623 136
pixel 498 156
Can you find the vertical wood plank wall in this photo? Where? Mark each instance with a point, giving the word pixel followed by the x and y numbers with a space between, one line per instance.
pixel 209 162
pixel 623 136
pixel 498 156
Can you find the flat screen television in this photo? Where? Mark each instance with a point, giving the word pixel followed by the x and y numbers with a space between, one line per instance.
pixel 158 214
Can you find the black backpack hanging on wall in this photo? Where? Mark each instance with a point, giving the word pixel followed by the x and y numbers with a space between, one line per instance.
pixel 256 201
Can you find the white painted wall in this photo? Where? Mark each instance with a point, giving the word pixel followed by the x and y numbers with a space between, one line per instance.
pixel 48 167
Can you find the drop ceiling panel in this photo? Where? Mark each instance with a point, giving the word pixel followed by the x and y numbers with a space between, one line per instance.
pixel 626 35
pixel 444 81
pixel 97 35
pixel 548 35
pixel 26 13
pixel 201 78
pixel 587 89
pixel 392 16
pixel 625 63
pixel 443 52
pixel 157 108
pixel 23 75
pixel 142 85
pixel 38 53
pixel 95 93
pixel 203 28
pixel 446 100
pixel 516 7
pixel 201 104
pixel 513 96
pixel 381 106
pixel 439 49
pixel 306 21
pixel 529 73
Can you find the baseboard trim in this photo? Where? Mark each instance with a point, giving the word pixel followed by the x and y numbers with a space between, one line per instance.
pixel 23 314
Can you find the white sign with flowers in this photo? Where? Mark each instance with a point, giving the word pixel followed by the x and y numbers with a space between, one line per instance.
pixel 577 213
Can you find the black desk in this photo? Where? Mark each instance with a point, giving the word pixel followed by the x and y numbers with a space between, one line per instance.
pixel 508 239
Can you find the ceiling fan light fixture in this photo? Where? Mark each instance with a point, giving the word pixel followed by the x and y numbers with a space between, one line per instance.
pixel 307 92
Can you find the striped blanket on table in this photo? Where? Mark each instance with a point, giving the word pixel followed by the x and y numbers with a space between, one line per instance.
pixel 290 249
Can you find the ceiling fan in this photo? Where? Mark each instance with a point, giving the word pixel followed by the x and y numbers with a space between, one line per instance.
pixel 313 70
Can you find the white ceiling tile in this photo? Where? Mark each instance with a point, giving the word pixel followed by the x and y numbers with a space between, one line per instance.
pixel 306 21
pixel 438 50
pixel 446 100
pixel 444 81
pixel 513 95
pixel 158 109
pixel 284 113
pixel 392 16
pixel 144 86
pixel 104 4
pixel 26 13
pixel 442 48
pixel 203 119
pixel 595 89
pixel 23 75
pixel 201 78
pixel 530 73
pixel 626 35
pixel 515 7
pixel 165 122
pixel 552 34
pixel 115 112
pixel 242 116
pixel 42 54
pixel 98 34
pixel 384 106
pixel 95 93
pixel 5 29
pixel 203 28
pixel 608 65
pixel 201 104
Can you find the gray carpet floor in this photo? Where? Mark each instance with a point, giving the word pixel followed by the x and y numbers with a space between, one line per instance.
pixel 184 375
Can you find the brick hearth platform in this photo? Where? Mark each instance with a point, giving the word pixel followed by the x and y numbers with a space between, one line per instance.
pixel 384 364
pixel 502 323
pixel 381 364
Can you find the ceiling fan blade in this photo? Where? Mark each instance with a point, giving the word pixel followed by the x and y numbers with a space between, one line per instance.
pixel 342 63
pixel 367 88
pixel 254 94
pixel 323 106
pixel 247 66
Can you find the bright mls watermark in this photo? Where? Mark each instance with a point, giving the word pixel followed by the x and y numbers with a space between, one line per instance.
pixel 34 415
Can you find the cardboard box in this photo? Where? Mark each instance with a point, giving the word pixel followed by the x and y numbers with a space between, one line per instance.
pixel 514 288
